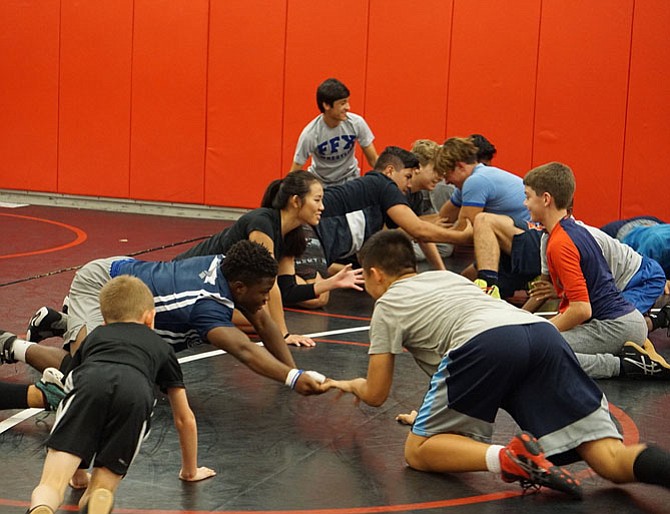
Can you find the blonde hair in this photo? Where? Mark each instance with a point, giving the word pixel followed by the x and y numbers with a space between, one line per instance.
pixel 425 150
pixel 125 298
pixel 453 151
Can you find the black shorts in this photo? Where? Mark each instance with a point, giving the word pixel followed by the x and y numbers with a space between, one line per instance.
pixel 313 259
pixel 523 265
pixel 105 416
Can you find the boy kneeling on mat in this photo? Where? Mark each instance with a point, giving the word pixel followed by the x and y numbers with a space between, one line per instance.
pixel 484 354
pixel 106 412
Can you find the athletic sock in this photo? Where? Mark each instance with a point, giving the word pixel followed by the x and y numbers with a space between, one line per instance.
pixel 489 276
pixel 652 466
pixel 19 349
pixel 493 458
pixel 13 396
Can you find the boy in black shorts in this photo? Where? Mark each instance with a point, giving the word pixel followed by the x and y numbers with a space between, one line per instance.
pixel 103 422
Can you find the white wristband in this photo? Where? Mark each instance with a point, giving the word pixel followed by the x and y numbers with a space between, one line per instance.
pixel 292 377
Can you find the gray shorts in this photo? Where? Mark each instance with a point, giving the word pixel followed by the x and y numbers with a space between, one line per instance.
pixel 84 306
pixel 598 342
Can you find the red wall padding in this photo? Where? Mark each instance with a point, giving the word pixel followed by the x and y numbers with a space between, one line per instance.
pixel 94 101
pixel 29 39
pixel 167 150
pixel 492 77
pixel 202 101
pixel 244 101
pixel 581 98
pixel 648 114
pixel 407 72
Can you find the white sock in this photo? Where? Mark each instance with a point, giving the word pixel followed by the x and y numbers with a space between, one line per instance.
pixel 493 458
pixel 19 349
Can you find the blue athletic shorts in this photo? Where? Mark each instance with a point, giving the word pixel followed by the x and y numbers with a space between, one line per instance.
pixel 527 370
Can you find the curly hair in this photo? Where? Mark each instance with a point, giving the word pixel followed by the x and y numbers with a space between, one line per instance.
pixel 248 262
pixel 425 150
pixel 453 151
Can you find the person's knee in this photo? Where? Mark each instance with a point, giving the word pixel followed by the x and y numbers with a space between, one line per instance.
pixel 483 220
pixel 414 452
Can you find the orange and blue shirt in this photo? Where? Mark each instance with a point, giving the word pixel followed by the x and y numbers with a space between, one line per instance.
pixel 580 272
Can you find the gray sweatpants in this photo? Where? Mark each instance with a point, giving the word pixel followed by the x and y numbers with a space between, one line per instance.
pixel 84 304
pixel 598 342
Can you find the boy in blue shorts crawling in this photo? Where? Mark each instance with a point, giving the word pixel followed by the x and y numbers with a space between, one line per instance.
pixel 484 355
pixel 106 413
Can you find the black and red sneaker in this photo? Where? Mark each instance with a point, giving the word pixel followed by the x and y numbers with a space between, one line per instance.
pixel 523 461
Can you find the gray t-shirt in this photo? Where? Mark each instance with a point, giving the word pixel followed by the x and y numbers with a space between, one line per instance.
pixel 435 312
pixel 332 149
pixel 623 261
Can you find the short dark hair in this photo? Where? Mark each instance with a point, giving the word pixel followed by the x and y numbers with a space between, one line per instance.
pixel 330 91
pixel 248 262
pixel 485 149
pixel 389 158
pixel 554 178
pixel 409 160
pixel 389 250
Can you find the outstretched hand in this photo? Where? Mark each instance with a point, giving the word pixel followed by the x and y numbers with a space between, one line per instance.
pixel 307 385
pixel 200 474
pixel 299 340
pixel 407 419
pixel 349 278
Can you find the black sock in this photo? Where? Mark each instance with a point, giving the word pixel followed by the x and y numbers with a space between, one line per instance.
pixel 489 276
pixel 13 396
pixel 652 466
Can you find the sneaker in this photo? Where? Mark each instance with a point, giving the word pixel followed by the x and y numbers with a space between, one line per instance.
pixel 489 290
pixel 661 319
pixel 100 502
pixel 523 461
pixel 6 347
pixel 46 322
pixel 643 362
pixel 51 385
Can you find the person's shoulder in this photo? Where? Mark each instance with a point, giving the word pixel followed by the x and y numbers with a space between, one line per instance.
pixel 315 122
pixel 355 118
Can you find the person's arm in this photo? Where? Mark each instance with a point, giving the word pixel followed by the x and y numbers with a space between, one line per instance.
pixel 576 314
pixel 432 255
pixel 184 421
pixel 374 389
pixel 370 154
pixel 275 305
pixel 541 290
pixel 467 213
pixel 275 362
pixel 405 218
pixel 449 211
pixel 295 166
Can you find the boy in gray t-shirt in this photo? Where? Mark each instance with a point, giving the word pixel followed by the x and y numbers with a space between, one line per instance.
pixel 484 355
pixel 330 137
